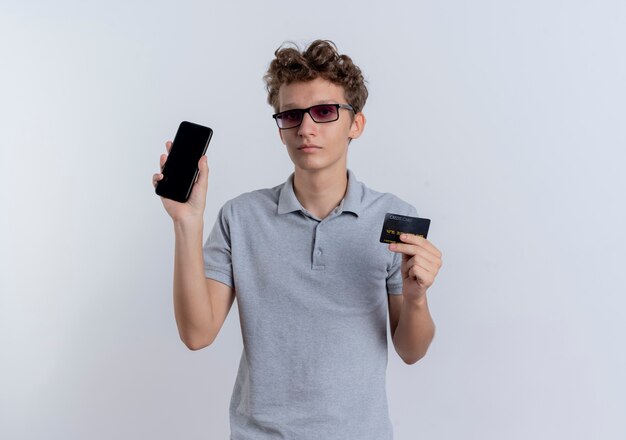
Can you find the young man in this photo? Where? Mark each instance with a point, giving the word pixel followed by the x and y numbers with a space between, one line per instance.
pixel 312 281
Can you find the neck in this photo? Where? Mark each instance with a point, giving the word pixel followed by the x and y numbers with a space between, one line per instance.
pixel 320 191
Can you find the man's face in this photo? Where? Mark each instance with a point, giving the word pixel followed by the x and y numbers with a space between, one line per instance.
pixel 327 142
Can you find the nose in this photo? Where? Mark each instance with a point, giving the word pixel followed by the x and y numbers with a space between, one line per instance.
pixel 307 126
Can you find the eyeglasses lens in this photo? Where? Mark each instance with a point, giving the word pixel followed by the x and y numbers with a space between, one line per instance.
pixel 319 113
pixel 323 113
pixel 290 118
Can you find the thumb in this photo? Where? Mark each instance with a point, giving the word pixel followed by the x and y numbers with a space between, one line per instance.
pixel 203 170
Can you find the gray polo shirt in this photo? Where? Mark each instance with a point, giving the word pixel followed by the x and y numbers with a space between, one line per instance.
pixel 312 299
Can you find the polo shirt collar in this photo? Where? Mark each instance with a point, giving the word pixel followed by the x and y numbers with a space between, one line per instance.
pixel 288 202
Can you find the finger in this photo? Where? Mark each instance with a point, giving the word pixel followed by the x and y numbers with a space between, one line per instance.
pixel 407 249
pixel 203 171
pixel 423 255
pixel 427 266
pixel 414 262
pixel 420 241
pixel 424 271
pixel 162 160
pixel 431 247
pixel 168 146
pixel 419 273
pixel 156 178
pixel 417 240
pixel 412 239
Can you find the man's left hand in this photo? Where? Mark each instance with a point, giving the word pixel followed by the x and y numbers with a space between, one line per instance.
pixel 421 262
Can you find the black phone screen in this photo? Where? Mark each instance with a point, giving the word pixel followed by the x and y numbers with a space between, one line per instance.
pixel 181 168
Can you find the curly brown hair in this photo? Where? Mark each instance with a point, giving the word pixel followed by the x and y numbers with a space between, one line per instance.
pixel 319 59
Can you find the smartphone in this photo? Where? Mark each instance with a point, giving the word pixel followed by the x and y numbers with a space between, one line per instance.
pixel 181 168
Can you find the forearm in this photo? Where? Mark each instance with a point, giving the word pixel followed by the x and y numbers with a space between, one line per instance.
pixel 414 332
pixel 192 302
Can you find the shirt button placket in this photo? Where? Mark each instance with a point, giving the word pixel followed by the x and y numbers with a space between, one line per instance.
pixel 318 262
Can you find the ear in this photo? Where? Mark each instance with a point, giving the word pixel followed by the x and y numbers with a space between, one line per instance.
pixel 358 125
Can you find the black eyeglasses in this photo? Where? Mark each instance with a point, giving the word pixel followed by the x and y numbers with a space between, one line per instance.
pixel 319 113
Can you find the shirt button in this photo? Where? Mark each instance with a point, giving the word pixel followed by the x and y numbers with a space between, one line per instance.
pixel 318 252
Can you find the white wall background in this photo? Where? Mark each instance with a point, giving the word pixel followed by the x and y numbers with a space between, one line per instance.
pixel 501 121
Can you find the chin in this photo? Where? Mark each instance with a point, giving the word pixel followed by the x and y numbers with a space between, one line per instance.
pixel 316 162
pixel 318 166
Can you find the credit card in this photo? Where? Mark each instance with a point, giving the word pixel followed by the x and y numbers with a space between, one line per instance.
pixel 396 224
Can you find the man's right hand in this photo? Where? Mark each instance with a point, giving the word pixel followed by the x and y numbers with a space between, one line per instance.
pixel 193 209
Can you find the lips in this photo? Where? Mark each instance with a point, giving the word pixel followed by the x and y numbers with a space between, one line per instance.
pixel 309 147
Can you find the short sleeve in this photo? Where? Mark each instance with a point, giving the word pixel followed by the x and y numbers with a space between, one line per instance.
pixel 394 273
pixel 217 250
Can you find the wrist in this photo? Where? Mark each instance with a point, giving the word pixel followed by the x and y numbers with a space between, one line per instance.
pixel 418 303
pixel 189 223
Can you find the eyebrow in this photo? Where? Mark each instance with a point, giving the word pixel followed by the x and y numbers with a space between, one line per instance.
pixel 292 106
